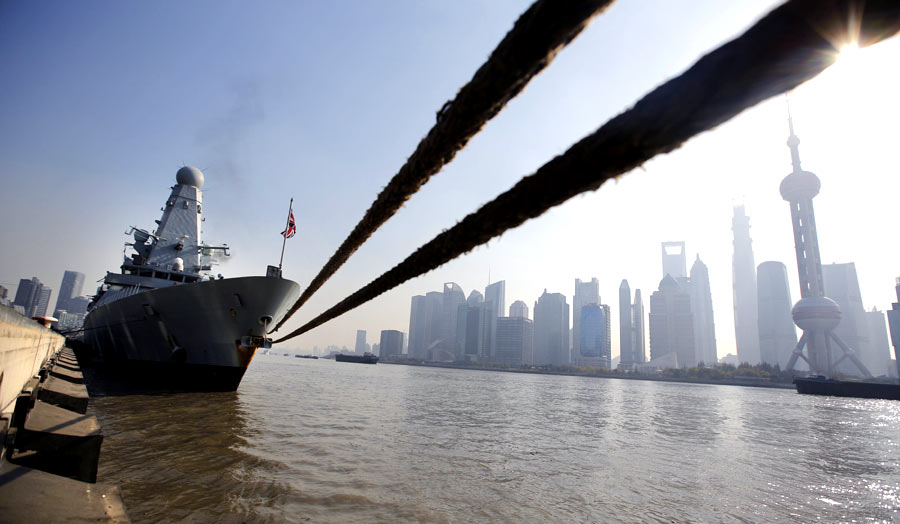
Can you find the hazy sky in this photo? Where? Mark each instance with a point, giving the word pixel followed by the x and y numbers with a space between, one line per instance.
pixel 101 102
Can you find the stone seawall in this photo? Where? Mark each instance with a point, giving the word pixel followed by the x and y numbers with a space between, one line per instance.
pixel 51 446
pixel 25 345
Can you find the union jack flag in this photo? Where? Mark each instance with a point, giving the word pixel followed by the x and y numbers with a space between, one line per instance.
pixel 291 227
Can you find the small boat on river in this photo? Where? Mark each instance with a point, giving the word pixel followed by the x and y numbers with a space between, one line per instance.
pixel 366 358
pixel 820 385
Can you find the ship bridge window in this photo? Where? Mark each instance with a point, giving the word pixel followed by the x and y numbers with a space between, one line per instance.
pixel 145 273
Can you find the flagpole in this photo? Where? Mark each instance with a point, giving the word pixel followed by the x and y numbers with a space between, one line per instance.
pixel 287 223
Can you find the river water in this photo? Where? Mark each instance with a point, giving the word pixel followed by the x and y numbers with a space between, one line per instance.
pixel 324 441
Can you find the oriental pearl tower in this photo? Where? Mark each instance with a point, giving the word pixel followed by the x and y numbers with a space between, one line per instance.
pixel 816 314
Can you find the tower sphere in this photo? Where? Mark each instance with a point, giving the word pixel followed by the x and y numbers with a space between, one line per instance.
pixel 800 185
pixel 189 176
pixel 816 313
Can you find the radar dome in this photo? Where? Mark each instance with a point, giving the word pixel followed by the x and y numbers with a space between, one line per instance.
pixel 189 176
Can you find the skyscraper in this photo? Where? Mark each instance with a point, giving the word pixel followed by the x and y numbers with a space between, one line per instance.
pixel 638 338
pixel 434 302
pixel 518 309
pixel 815 314
pixel 495 302
pixel 514 341
pixel 551 329
pixel 43 301
pixel 626 327
pixel 26 293
pixel 673 260
pixel 777 334
pixel 585 293
pixel 417 316
pixel 391 343
pixel 71 287
pixel 672 323
pixel 743 267
pixel 701 307
pixel 33 296
pixel 893 315
pixel 361 345
pixel 842 286
pixel 595 336
pixel 472 317
pixel 453 297
pixel 880 349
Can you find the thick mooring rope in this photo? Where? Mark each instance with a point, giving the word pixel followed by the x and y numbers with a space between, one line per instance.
pixel 792 44
pixel 545 28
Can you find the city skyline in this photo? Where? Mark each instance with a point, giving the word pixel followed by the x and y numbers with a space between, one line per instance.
pixel 252 134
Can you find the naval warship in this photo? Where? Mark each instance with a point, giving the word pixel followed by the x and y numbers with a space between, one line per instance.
pixel 167 319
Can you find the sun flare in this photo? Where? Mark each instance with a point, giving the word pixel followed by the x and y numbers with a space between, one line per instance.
pixel 853 69
pixel 848 53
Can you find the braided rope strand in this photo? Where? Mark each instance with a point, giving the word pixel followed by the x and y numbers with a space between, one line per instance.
pixel 544 29
pixel 790 45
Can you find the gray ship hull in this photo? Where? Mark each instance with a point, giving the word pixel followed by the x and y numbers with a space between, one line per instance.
pixel 189 336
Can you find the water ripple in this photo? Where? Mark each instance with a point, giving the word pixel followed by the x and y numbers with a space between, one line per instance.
pixel 319 441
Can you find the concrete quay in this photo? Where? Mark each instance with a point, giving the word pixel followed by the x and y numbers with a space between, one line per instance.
pixel 66 373
pixel 64 394
pixel 29 495
pixel 49 443
pixel 25 348
pixel 60 441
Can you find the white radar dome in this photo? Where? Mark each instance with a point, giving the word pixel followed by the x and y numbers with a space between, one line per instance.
pixel 189 176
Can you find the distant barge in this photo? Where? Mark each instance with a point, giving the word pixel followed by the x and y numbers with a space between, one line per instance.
pixel 846 388
pixel 366 358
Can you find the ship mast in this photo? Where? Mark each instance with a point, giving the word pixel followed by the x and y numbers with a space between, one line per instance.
pixel 288 232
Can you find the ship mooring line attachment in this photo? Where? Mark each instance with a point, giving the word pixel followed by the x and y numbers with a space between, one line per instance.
pixel 535 39
pixel 790 45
